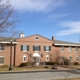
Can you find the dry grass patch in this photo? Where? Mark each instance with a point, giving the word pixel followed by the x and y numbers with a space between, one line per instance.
pixel 67 79
pixel 22 68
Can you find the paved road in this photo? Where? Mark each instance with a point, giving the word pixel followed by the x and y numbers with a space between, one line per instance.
pixel 40 75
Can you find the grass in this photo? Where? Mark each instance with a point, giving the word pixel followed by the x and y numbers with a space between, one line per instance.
pixel 73 66
pixel 67 79
pixel 2 69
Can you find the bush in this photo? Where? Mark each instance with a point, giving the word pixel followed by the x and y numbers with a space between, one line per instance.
pixel 48 63
pixel 76 63
pixel 45 66
pixel 26 64
pixel 23 64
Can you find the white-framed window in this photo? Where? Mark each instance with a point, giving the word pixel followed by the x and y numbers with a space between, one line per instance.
pixel 62 49
pixel 47 48
pixel 70 58
pixel 77 58
pixel 36 48
pixel 76 48
pixel 47 57
pixel 24 48
pixel 24 58
pixel 70 49
pixel 1 60
pixel 2 47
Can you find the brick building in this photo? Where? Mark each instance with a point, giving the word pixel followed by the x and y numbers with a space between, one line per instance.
pixel 37 49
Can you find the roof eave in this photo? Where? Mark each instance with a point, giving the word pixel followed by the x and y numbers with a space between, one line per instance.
pixel 66 44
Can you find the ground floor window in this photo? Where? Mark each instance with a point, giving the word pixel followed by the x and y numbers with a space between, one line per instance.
pixel 77 58
pixel 70 58
pixel 24 58
pixel 1 60
pixel 47 57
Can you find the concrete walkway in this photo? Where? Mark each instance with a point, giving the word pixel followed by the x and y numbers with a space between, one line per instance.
pixel 46 75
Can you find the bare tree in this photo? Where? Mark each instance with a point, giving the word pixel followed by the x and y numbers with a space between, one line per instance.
pixel 57 56
pixel 8 18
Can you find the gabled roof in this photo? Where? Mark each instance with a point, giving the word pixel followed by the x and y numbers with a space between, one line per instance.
pixel 35 35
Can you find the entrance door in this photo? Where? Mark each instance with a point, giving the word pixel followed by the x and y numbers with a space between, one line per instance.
pixel 36 58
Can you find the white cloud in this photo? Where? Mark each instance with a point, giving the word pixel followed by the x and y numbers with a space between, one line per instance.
pixel 74 27
pixel 36 5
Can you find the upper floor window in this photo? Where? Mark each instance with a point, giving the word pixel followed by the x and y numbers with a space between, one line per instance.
pixel 47 48
pixel 70 49
pixel 24 47
pixel 1 60
pixel 2 47
pixel 76 48
pixel 62 48
pixel 36 48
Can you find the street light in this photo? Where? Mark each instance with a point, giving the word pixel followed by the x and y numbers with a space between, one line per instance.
pixel 10 68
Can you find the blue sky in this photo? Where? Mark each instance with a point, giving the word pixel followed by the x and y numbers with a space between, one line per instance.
pixel 59 18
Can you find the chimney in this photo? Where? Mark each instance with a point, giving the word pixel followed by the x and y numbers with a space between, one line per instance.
pixel 53 38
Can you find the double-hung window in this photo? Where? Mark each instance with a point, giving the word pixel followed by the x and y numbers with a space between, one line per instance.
pixel 70 58
pixel 77 58
pixel 24 48
pixel 1 60
pixel 2 47
pixel 76 49
pixel 24 58
pixel 62 48
pixel 47 58
pixel 47 48
pixel 36 48
pixel 70 49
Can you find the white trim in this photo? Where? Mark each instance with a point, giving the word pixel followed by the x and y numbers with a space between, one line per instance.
pixel 9 42
pixel 3 57
pixel 24 56
pixel 71 57
pixel 46 57
pixel 66 44
pixel 76 58
pixel 70 49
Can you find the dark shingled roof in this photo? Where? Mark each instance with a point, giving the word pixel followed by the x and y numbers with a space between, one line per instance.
pixel 65 42
pixel 3 39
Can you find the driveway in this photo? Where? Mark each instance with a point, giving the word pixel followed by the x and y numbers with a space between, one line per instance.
pixel 48 75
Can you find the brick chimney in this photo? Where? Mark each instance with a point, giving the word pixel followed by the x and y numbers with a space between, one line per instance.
pixel 53 38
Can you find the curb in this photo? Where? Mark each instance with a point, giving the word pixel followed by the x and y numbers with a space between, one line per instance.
pixel 12 72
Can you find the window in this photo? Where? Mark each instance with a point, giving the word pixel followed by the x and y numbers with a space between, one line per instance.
pixel 47 48
pixel 1 60
pixel 70 58
pixel 47 58
pixel 36 48
pixel 63 49
pixel 24 47
pixel 77 58
pixel 36 38
pixel 24 58
pixel 76 49
pixel 70 49
pixel 2 47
